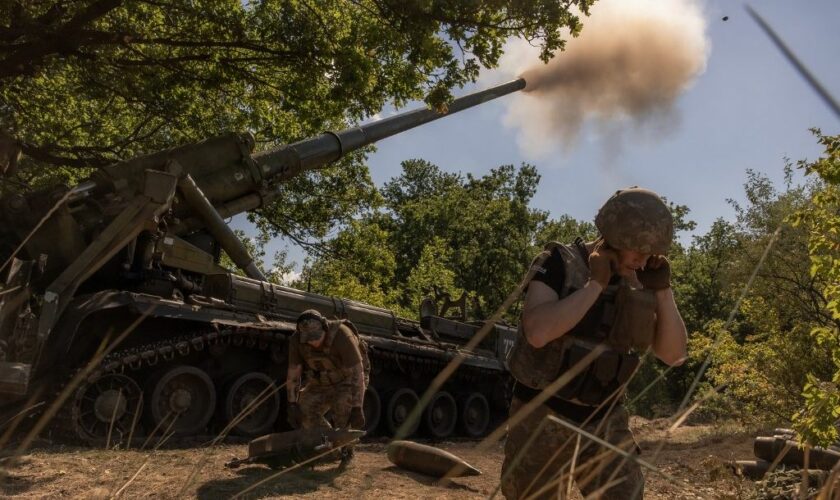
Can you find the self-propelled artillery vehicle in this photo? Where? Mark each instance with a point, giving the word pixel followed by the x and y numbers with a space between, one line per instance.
pixel 111 293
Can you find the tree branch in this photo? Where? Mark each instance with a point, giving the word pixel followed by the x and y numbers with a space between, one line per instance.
pixel 44 154
pixel 66 39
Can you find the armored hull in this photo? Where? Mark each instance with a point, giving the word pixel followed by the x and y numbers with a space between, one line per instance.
pixel 212 363
pixel 114 307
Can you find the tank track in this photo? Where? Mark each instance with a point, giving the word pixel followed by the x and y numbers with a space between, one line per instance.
pixel 145 356
pixel 416 369
pixel 150 354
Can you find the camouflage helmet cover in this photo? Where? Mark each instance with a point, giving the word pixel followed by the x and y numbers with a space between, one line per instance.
pixel 636 219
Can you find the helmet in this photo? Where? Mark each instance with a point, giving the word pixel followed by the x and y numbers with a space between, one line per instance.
pixel 636 219
pixel 311 325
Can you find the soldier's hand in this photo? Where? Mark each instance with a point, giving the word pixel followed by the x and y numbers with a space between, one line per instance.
pixel 294 416
pixel 602 261
pixel 657 273
pixel 357 418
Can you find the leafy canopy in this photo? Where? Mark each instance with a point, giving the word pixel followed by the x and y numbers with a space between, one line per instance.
pixel 87 82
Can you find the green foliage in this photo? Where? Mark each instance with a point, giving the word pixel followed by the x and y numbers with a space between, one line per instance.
pixel 649 392
pixel 434 268
pixel 565 229
pixel 281 270
pixel 784 335
pixel 358 265
pixel 762 374
pixel 702 275
pixel 437 228
pixel 818 420
pixel 91 82
pixel 314 203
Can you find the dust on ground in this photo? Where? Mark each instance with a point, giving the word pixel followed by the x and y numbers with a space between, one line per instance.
pixel 693 455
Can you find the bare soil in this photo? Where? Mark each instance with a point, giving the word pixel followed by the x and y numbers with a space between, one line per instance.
pixel 694 457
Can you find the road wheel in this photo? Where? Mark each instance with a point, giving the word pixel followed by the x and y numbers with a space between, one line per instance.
pixel 106 411
pixel 441 415
pixel 182 400
pixel 475 414
pixel 372 407
pixel 400 404
pixel 246 390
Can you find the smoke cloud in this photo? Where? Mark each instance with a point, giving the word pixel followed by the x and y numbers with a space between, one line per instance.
pixel 623 74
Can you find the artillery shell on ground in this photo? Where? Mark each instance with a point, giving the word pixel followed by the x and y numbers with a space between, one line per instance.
pixel 428 460
pixel 284 449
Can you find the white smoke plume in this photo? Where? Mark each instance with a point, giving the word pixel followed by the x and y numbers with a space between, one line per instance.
pixel 624 73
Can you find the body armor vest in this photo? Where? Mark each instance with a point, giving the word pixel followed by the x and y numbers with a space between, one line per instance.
pixel 323 366
pixel 622 318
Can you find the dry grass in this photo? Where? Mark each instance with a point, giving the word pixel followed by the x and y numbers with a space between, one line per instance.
pixel 693 454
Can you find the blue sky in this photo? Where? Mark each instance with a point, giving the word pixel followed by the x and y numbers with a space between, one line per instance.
pixel 749 109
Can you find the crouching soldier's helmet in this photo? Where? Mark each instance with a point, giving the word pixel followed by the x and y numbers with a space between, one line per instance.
pixel 311 325
pixel 636 219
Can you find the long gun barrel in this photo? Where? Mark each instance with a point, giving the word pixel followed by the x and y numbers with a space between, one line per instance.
pixel 329 147
pixel 235 181
pixel 284 162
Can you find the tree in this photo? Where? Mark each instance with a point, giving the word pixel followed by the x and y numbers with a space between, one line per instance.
pixel 702 275
pixel 818 420
pixel 459 232
pixel 433 269
pixel 357 264
pixel 85 83
pixel 565 229
pixel 485 221
pixel 764 354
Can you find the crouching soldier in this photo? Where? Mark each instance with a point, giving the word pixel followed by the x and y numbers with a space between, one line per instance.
pixel 332 360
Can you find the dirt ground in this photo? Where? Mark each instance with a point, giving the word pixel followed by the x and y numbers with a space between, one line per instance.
pixel 694 456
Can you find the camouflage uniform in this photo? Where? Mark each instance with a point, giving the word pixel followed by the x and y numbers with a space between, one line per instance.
pixel 332 388
pixel 622 321
pixel 531 474
pixel 316 400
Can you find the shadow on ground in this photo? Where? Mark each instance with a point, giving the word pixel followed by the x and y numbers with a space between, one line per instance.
pixel 15 480
pixel 295 482
pixel 430 481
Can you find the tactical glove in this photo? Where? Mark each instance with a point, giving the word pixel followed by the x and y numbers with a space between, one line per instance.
pixel 657 273
pixel 294 416
pixel 357 418
pixel 602 261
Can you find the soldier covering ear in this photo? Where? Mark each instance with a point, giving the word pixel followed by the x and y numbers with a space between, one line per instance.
pixel 608 300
